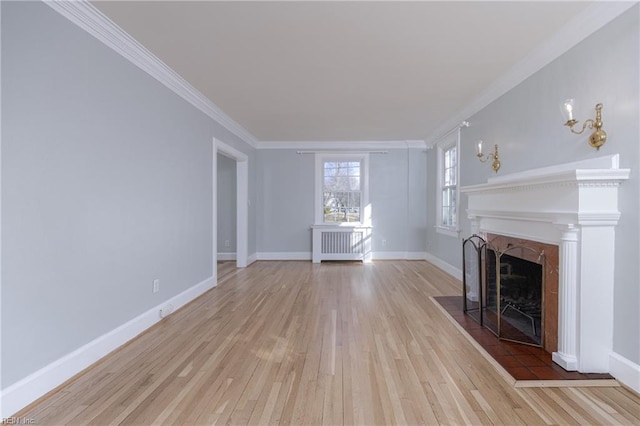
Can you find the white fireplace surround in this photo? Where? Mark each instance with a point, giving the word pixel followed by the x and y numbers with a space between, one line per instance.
pixel 574 206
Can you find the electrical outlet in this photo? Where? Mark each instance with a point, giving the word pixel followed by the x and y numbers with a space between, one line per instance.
pixel 156 286
pixel 227 243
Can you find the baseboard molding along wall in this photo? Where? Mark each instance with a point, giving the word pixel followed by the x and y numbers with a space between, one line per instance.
pixel 22 393
pixel 306 255
pixel 398 255
pixel 288 255
pixel 625 371
pixel 227 256
pixel 447 267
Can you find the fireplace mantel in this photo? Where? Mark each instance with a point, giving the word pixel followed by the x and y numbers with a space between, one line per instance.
pixel 574 206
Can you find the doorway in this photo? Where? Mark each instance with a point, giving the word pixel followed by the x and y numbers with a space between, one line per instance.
pixel 241 201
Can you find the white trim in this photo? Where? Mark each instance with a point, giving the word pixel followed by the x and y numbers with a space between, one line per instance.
pixel 576 209
pixel 2 416
pixel 94 22
pixel 625 371
pixel 398 255
pixel 449 232
pixel 289 255
pixel 446 267
pixel 381 255
pixel 242 200
pixel 226 256
pixel 451 140
pixel 342 145
pixel 583 25
pixel 365 210
pixel 252 258
pixel 24 392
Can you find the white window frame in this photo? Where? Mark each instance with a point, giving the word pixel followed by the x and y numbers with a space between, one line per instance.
pixel 448 142
pixel 365 211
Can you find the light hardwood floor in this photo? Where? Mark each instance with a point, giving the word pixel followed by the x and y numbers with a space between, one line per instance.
pixel 298 343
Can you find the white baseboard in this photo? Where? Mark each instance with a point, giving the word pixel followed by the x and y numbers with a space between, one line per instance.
pixel 448 268
pixel 398 255
pixel 625 371
pixel 376 255
pixel 252 258
pixel 288 255
pixel 227 256
pixel 24 392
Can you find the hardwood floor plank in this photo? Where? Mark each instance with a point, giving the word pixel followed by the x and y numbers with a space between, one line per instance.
pixel 296 343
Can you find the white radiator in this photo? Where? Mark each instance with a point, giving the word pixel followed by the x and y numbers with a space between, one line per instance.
pixel 333 242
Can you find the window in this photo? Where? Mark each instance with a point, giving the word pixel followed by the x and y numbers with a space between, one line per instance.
pixel 341 188
pixel 449 187
pixel 447 193
pixel 341 192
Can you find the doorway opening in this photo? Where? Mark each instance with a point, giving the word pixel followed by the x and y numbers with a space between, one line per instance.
pixel 241 203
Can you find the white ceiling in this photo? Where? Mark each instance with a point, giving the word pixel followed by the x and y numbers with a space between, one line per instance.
pixel 347 71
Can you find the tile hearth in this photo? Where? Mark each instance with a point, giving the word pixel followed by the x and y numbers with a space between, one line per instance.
pixel 522 362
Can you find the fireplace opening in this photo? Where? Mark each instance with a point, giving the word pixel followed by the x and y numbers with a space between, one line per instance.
pixel 514 297
pixel 504 288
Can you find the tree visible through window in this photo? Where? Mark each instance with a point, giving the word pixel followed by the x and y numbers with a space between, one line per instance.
pixel 342 191
pixel 449 187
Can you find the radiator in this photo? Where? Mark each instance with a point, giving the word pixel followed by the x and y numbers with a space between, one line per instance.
pixel 332 242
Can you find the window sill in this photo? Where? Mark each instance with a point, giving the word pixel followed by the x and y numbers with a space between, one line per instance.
pixel 340 225
pixel 451 232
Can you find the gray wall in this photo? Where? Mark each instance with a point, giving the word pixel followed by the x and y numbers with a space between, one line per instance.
pixel 227 186
pixel 527 124
pixel 286 200
pixel 106 185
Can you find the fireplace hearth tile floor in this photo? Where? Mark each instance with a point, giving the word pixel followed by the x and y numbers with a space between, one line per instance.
pixel 526 365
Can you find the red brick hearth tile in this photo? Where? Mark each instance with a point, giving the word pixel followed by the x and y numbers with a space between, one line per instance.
pixel 530 361
pixel 596 376
pixel 489 341
pixel 507 361
pixel 544 356
pixel 521 373
pixel 567 375
pixel 497 351
pixel 523 362
pixel 517 349
pixel 546 373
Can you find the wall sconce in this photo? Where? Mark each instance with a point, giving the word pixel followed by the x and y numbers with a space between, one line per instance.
pixel 484 158
pixel 599 136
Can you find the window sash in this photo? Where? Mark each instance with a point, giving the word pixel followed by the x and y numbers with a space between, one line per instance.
pixel 447 191
pixel 341 191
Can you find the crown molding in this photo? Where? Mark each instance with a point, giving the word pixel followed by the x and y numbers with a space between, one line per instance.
pixel 342 145
pixel 90 19
pixel 583 25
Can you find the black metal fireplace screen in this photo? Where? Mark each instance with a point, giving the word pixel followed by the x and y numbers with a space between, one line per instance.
pixel 503 290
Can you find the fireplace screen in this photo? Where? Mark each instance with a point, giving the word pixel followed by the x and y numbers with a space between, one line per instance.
pixel 503 289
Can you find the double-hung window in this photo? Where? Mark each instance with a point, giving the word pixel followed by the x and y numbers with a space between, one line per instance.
pixel 341 188
pixel 447 192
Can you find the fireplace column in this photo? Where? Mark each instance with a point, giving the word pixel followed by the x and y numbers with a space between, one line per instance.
pixel 566 356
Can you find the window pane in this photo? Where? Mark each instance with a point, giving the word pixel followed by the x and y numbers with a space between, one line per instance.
pixel 341 193
pixel 449 186
pixel 445 216
pixel 342 206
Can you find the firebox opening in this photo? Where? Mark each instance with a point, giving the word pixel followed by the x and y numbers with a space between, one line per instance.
pixel 514 302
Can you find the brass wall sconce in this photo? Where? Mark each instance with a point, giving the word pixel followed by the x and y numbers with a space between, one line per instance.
pixel 599 136
pixel 484 158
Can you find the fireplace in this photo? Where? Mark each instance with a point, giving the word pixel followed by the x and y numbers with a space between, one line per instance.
pixel 572 207
pixel 519 280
